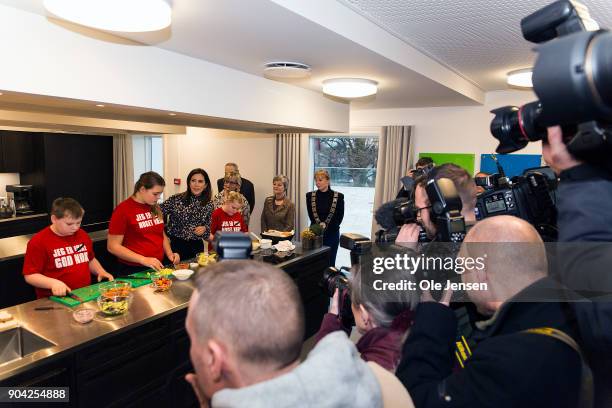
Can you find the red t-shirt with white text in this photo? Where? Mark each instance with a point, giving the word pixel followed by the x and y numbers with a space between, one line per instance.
pixel 220 221
pixel 142 232
pixel 62 258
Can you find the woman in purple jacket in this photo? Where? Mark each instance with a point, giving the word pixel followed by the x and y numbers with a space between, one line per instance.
pixel 381 317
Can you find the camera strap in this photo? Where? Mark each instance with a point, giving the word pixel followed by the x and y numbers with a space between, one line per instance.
pixel 585 399
pixel 332 210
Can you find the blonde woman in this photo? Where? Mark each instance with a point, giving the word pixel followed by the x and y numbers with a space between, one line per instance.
pixel 232 182
pixel 278 212
pixel 326 208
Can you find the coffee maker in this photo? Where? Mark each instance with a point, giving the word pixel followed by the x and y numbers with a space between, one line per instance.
pixel 21 196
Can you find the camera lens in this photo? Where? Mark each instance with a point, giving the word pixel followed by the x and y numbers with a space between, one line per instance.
pixel 404 213
pixel 514 126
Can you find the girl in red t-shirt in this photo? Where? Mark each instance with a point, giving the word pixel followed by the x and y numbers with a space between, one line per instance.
pixel 228 216
pixel 136 232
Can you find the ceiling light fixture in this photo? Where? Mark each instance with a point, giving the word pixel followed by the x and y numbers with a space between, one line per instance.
pixel 99 105
pixel 520 78
pixel 114 15
pixel 350 87
pixel 172 114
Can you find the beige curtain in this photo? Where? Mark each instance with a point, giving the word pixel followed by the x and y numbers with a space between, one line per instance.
pixel 393 159
pixel 123 162
pixel 288 163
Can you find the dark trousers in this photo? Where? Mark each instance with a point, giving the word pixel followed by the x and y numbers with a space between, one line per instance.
pixel 332 240
pixel 187 249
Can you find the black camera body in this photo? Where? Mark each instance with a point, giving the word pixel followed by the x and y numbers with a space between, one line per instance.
pixel 573 80
pixel 528 197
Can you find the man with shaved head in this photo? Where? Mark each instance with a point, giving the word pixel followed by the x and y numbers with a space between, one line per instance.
pixel 526 353
pixel 246 326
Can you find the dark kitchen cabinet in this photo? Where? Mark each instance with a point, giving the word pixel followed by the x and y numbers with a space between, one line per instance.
pixel 77 166
pixel 16 152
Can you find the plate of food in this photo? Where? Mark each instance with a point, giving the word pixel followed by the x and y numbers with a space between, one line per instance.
pixel 277 236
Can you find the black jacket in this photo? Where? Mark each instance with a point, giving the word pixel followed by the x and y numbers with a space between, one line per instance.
pixel 508 368
pixel 246 189
pixel 324 203
pixel 584 263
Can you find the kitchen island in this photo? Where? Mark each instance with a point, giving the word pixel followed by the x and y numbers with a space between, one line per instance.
pixel 134 359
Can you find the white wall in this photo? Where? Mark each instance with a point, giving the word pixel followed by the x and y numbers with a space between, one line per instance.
pixel 6 179
pixel 460 129
pixel 77 66
pixel 210 149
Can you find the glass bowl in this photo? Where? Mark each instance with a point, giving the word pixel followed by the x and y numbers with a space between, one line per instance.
pixel 161 282
pixel 115 297
pixel 83 315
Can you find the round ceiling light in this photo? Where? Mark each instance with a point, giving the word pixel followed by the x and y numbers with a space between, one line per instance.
pixel 520 78
pixel 350 87
pixel 286 70
pixel 114 15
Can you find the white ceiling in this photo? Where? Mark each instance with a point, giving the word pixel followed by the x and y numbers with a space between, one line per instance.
pixel 478 39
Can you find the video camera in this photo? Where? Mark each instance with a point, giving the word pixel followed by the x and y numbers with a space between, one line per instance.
pixel 573 79
pixel 528 196
pixel 232 245
pixel 446 212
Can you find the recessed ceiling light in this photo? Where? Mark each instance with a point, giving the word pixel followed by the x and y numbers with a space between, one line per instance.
pixel 114 15
pixel 350 87
pixel 172 114
pixel 1 93
pixel 99 105
pixel 520 78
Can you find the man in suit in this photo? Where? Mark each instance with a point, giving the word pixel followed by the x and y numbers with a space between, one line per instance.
pixel 246 189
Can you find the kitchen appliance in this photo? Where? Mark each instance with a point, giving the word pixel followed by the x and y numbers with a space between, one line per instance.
pixel 21 195
pixel 6 208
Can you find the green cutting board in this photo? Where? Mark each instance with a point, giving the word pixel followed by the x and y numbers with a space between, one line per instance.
pixel 92 292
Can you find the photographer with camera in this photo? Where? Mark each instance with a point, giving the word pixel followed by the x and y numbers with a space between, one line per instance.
pixel 382 318
pixel 423 166
pixel 526 354
pixel 409 233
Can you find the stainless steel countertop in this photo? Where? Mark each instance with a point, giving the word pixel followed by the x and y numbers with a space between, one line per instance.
pixel 58 326
pixel 14 247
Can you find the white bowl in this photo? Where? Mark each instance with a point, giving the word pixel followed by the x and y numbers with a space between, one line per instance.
pixel 183 274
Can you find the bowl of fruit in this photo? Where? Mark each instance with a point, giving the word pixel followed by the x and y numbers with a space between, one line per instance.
pixel 205 259
pixel 115 297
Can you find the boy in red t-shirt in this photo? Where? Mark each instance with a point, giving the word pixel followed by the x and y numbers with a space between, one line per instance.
pixel 228 216
pixel 60 258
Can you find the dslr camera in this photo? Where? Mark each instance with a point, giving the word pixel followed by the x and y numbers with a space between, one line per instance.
pixel 572 78
pixel 529 196
pixel 337 279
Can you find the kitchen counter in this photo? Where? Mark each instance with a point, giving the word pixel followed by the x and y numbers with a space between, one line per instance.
pixel 15 247
pixel 68 336
pixel 24 217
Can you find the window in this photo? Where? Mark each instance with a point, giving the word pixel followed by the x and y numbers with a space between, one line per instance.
pixel 148 154
pixel 351 163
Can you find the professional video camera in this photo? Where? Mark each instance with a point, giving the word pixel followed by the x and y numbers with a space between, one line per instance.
pixel 528 196
pixel 232 245
pixel 573 79
pixel 445 207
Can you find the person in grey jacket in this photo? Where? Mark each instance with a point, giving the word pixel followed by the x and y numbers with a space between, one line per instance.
pixel 246 344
